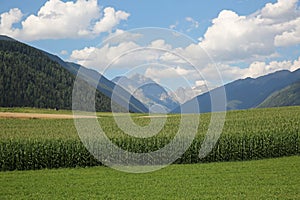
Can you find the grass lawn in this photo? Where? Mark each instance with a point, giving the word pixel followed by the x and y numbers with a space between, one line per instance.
pixel 34 110
pixel 263 179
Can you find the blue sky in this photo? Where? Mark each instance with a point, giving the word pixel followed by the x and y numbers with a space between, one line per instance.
pixel 243 38
pixel 146 14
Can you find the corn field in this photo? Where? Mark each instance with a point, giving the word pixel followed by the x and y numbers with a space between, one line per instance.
pixel 247 135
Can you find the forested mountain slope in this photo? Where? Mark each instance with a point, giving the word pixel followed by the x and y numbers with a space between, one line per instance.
pixel 29 78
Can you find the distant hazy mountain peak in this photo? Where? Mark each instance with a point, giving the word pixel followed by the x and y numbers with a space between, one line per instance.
pixel 147 91
pixel 184 94
pixel 141 79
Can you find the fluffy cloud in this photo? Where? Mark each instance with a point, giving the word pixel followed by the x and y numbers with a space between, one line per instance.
pixel 290 36
pixel 160 44
pixel 233 37
pixel 280 11
pixel 130 55
pixel 126 54
pixel 8 19
pixel 254 69
pixel 100 58
pixel 119 36
pixel 257 69
pixel 157 74
pixel 110 20
pixel 230 40
pixel 296 65
pixel 57 19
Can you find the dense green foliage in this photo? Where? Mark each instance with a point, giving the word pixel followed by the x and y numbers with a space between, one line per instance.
pixel 264 179
pixel 252 134
pixel 289 96
pixel 40 154
pixel 29 78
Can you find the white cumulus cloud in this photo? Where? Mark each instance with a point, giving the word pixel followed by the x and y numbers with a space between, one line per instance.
pixel 233 37
pixel 124 54
pixel 57 19
pixel 230 40
pixel 157 74
pixel 281 10
pixel 100 58
pixel 8 19
pixel 110 20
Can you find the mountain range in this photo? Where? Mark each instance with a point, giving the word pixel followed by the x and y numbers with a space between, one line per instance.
pixel 247 93
pixel 105 86
pixel 184 94
pixel 34 78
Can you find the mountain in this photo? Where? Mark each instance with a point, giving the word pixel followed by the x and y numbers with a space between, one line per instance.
pixel 105 86
pixel 184 94
pixel 148 92
pixel 245 93
pixel 29 78
pixel 34 78
pixel 6 38
pixel 288 96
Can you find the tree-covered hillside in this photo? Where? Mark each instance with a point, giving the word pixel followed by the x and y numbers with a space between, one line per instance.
pixel 30 78
pixel 289 96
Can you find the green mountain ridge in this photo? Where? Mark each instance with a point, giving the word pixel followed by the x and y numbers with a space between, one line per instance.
pixel 288 96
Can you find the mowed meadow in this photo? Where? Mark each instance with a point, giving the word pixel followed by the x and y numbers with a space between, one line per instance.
pixel 276 178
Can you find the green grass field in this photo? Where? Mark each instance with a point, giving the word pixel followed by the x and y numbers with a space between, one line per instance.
pixel 255 121
pixel 264 179
pixel 34 110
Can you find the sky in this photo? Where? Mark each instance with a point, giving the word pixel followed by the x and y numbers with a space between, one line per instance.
pixel 176 43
